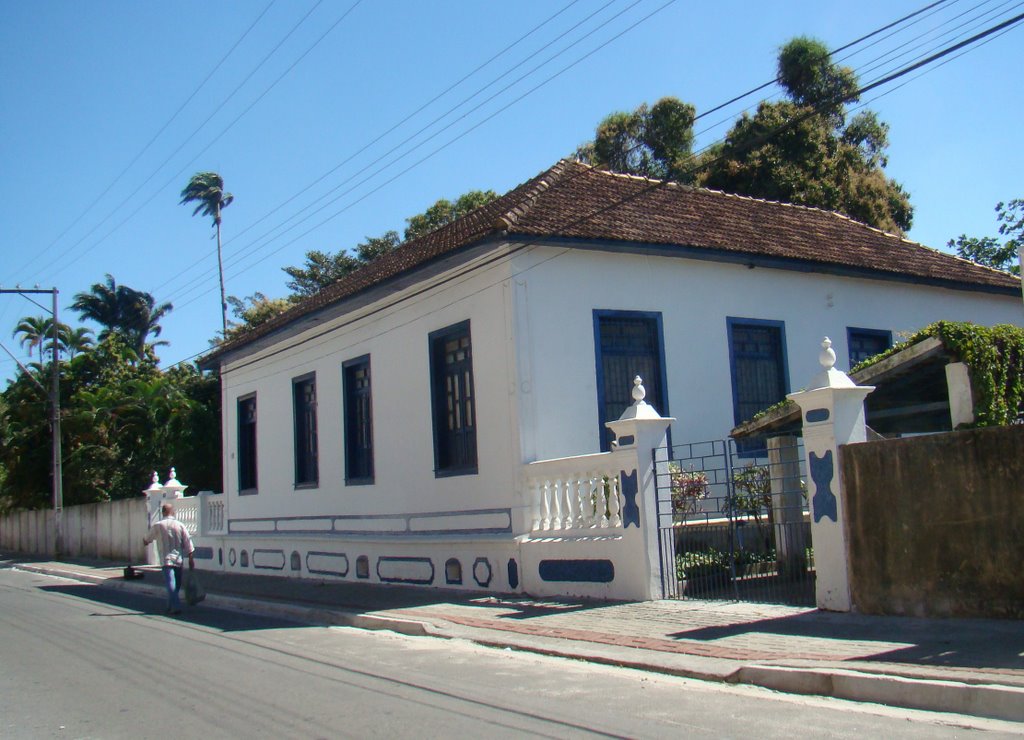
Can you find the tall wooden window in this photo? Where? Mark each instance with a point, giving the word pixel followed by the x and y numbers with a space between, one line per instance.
pixel 865 343
pixel 247 444
pixel 757 356
pixel 454 400
pixel 358 421
pixel 627 343
pixel 304 406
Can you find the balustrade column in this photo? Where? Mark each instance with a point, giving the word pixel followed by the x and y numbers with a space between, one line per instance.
pixel 833 415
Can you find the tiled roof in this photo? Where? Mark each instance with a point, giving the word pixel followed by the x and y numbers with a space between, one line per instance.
pixel 575 201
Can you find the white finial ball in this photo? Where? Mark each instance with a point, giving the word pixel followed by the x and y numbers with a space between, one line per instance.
pixel 156 479
pixel 827 358
pixel 639 392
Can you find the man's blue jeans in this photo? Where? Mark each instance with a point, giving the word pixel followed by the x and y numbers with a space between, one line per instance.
pixel 172 581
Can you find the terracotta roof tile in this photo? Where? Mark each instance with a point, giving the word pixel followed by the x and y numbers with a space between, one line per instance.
pixel 572 200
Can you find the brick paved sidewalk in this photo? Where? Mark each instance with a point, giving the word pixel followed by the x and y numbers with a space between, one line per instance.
pixel 757 632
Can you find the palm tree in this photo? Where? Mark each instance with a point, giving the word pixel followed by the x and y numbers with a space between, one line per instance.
pixel 104 304
pixel 34 331
pixel 206 189
pixel 144 319
pixel 74 340
pixel 119 309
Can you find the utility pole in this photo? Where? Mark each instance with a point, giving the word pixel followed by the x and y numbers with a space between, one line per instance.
pixel 58 476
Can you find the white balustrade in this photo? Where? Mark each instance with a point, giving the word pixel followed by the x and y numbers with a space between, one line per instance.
pixel 577 493
pixel 186 511
pixel 213 513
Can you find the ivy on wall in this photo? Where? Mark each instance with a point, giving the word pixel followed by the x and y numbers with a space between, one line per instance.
pixel 995 360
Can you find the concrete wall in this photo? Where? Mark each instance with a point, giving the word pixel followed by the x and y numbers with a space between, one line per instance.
pixel 106 531
pixel 936 524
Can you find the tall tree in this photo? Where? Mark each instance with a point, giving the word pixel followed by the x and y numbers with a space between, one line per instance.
pixel 131 313
pixel 805 150
pixel 74 340
pixel 206 189
pixel 445 211
pixel 37 331
pixel 987 250
pixel 320 270
pixel 254 310
pixel 652 142
pixel 323 268
pixel 33 331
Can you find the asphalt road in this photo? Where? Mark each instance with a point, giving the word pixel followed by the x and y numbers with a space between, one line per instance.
pixel 81 661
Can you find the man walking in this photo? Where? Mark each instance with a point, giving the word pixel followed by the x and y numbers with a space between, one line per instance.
pixel 173 543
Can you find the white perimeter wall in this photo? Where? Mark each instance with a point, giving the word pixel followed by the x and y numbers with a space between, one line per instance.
pixel 396 339
pixel 555 300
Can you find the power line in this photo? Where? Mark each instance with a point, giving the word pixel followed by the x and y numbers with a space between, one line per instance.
pixel 655 185
pixel 235 258
pixel 302 56
pixel 150 143
pixel 433 153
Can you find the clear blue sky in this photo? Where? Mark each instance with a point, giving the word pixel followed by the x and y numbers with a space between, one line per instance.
pixel 92 161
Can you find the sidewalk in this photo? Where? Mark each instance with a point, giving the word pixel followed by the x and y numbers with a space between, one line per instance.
pixel 971 667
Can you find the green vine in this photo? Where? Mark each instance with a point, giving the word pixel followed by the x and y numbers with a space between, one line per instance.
pixel 995 360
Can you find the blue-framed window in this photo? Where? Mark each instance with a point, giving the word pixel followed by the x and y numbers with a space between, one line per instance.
pixel 358 421
pixel 246 408
pixel 758 366
pixel 453 399
pixel 307 473
pixel 627 344
pixel 865 343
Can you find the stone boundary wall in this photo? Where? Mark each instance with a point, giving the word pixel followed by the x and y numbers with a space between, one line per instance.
pixel 936 524
pixel 111 530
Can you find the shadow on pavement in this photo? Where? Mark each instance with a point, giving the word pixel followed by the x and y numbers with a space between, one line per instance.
pixel 128 603
pixel 965 643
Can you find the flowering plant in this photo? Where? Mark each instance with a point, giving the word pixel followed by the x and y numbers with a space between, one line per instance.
pixel 689 488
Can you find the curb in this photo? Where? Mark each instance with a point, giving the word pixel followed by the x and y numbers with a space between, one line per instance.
pixel 976 700
pixel 985 700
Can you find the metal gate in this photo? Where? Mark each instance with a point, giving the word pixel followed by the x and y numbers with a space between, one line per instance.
pixel 733 523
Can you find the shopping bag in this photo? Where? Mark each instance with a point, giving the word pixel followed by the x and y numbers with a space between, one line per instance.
pixel 194 591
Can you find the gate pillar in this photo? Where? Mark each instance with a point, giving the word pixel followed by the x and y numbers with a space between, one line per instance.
pixel 832 413
pixel 641 430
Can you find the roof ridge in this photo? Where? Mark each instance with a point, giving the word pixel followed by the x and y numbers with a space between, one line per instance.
pixel 534 187
pixel 741 196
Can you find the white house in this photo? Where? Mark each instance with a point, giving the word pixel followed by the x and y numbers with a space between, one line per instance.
pixel 389 428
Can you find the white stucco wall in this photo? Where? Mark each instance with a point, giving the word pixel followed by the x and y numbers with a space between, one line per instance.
pixel 555 300
pixel 396 338
pixel 534 366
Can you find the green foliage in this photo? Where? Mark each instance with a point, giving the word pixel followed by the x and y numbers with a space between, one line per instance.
pixel 800 150
pixel 803 150
pixel 654 142
pixel 122 417
pixel 206 190
pixel 254 310
pixel 131 314
pixel 995 358
pixel 444 211
pixel 807 74
pixel 719 565
pixel 322 268
pixel 987 250
pixel 36 332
